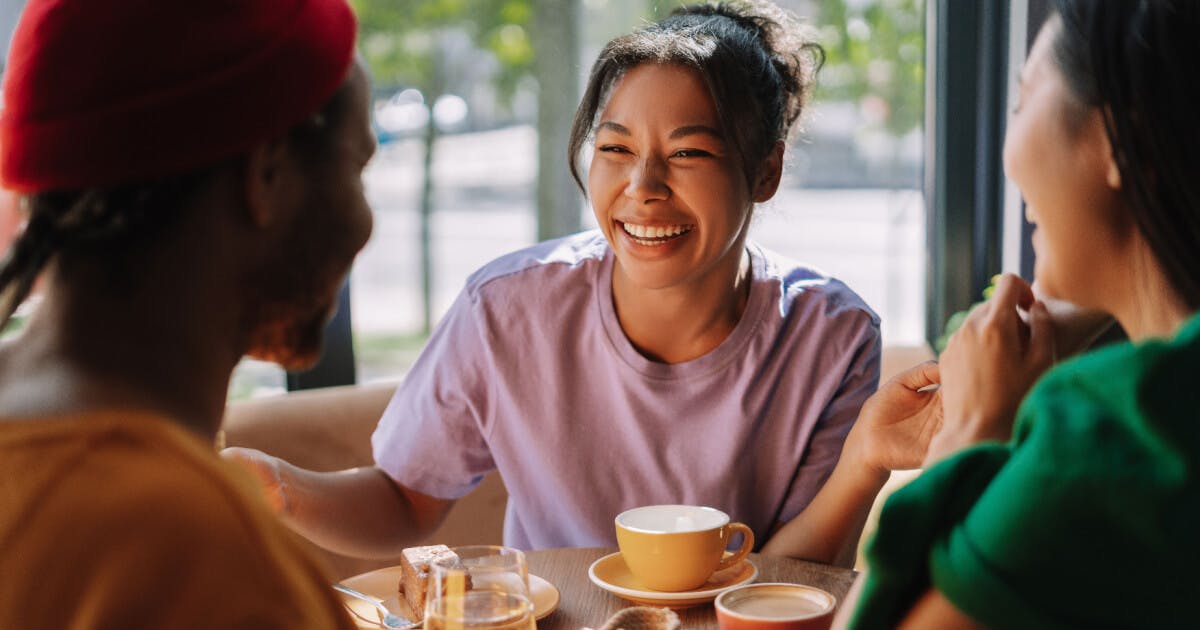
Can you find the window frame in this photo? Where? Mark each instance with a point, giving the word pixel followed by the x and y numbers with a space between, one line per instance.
pixel 967 94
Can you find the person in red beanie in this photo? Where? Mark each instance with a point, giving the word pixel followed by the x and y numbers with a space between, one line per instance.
pixel 191 178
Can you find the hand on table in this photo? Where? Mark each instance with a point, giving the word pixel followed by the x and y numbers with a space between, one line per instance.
pixel 990 364
pixel 897 422
pixel 266 471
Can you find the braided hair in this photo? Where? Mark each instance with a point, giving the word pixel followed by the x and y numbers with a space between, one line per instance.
pixel 112 220
pixel 758 62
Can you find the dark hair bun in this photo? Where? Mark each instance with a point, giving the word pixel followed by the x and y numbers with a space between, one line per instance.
pixel 790 45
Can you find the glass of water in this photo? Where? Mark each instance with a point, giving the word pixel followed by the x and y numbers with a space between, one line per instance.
pixel 486 587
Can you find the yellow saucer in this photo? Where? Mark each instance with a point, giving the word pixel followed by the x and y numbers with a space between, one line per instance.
pixel 612 574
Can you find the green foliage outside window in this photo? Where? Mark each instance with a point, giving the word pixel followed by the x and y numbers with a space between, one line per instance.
pixel 875 56
pixel 956 320
pixel 399 38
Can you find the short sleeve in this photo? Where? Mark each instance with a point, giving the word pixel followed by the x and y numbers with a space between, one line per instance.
pixel 860 380
pixel 432 437
pixel 912 520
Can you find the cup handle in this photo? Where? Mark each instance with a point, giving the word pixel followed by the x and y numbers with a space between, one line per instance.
pixel 747 545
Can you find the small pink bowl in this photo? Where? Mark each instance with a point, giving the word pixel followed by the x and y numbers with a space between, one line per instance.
pixel 775 606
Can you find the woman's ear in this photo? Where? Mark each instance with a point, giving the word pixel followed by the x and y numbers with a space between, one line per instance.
pixel 1112 174
pixel 1112 171
pixel 769 174
pixel 265 181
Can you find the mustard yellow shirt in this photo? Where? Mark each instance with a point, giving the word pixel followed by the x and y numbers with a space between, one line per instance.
pixel 127 520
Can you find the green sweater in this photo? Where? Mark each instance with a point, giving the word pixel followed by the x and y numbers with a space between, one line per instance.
pixel 1088 518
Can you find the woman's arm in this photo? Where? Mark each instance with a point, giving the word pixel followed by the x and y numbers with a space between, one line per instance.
pixel 357 510
pixel 828 529
pixel 893 431
pixel 932 611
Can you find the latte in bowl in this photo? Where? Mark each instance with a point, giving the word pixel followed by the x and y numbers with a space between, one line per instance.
pixel 775 606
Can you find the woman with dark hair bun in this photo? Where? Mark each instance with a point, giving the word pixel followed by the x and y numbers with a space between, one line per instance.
pixel 1076 502
pixel 661 359
pixel 190 173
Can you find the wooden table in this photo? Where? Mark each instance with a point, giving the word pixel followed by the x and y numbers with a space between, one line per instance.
pixel 584 604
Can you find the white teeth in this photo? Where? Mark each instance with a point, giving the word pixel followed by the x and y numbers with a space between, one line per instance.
pixel 648 232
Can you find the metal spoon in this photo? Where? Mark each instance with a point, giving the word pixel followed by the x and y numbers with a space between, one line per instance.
pixel 390 619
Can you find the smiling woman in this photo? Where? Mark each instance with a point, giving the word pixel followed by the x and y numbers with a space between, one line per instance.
pixel 661 359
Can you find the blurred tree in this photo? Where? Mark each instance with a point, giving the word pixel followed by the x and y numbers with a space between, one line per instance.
pixel 405 42
pixel 875 57
pixel 400 38
pixel 556 40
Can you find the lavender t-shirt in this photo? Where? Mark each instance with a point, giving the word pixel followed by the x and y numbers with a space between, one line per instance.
pixel 530 373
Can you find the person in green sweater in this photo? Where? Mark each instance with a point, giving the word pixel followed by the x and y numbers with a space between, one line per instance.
pixel 1070 498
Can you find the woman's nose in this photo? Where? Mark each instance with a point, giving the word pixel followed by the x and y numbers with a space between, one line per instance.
pixel 647 181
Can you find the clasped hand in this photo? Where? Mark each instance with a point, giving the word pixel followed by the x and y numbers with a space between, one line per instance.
pixel 989 365
pixel 896 423
pixel 970 395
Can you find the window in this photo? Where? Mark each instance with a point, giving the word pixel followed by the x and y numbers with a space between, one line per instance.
pixel 851 202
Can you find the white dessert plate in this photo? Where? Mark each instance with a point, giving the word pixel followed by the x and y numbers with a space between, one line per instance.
pixel 612 574
pixel 384 584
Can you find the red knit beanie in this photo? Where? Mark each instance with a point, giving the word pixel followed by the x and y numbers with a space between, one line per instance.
pixel 105 92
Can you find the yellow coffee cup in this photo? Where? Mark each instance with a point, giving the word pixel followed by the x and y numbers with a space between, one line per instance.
pixel 678 547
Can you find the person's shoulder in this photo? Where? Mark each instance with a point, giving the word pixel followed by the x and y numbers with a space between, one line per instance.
pixel 138 476
pixel 147 498
pixel 163 485
pixel 551 261
pixel 1126 377
pixel 799 286
pixel 1133 403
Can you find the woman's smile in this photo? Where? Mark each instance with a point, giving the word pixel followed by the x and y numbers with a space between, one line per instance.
pixel 651 235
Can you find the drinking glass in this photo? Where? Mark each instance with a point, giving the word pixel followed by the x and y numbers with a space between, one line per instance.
pixel 486 587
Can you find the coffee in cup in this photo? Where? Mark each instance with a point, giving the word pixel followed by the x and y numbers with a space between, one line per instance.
pixel 775 606
pixel 678 547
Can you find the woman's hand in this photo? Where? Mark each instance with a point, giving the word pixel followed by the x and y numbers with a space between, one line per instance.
pixel 1075 328
pixel 267 470
pixel 990 364
pixel 897 422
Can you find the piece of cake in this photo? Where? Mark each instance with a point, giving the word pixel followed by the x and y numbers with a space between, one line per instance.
pixel 414 573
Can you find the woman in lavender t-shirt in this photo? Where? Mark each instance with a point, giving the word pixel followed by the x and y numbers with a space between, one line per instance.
pixel 660 359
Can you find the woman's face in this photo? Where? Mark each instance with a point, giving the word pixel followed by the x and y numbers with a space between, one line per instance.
pixel 666 189
pixel 1057 152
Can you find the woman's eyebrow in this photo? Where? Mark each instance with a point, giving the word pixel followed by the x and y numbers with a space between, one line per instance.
pixel 615 127
pixel 696 129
